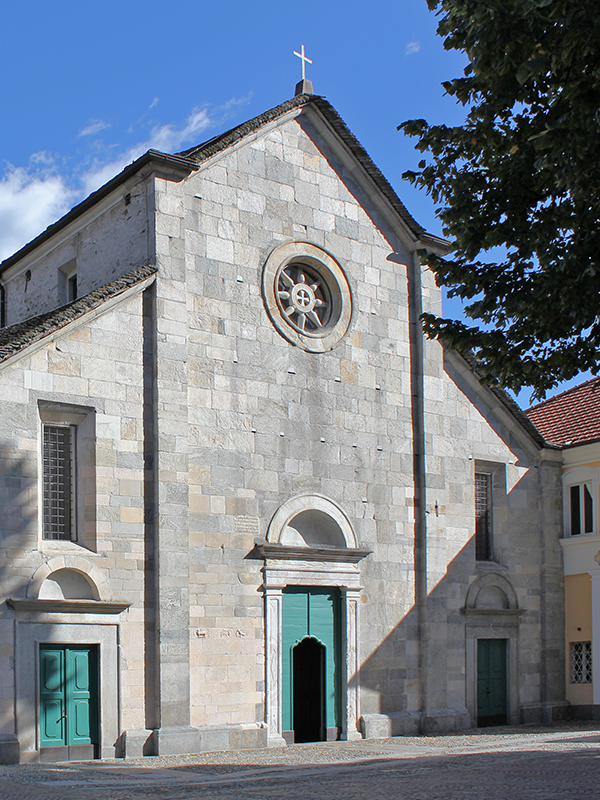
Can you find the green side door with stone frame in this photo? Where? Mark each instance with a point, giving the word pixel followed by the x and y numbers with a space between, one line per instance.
pixel 492 695
pixel 313 614
pixel 68 696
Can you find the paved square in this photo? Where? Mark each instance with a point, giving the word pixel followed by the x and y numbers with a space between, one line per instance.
pixel 504 764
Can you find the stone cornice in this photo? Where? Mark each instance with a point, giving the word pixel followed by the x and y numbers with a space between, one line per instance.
pixel 493 612
pixel 282 552
pixel 68 606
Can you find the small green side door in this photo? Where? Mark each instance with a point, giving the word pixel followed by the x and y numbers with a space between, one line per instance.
pixel 492 693
pixel 69 699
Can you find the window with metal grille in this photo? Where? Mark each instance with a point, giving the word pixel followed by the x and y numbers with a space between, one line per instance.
pixel 581 662
pixel 483 516
pixel 582 509
pixel 58 482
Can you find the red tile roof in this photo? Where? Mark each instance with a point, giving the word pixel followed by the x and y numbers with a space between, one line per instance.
pixel 570 418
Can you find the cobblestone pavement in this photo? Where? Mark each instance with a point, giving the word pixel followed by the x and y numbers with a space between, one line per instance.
pixel 501 764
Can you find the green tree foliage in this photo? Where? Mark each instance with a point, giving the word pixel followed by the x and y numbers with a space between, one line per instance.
pixel 518 187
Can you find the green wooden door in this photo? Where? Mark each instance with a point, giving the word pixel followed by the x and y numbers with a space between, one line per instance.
pixel 68 701
pixel 312 614
pixel 53 727
pixel 492 706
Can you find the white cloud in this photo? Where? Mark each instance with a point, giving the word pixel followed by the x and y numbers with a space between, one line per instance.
pixel 134 125
pixel 412 48
pixel 165 138
pixel 28 204
pixel 42 157
pixel 94 127
pixel 33 197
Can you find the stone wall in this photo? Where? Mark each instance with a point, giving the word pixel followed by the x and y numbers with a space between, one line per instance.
pixel 96 364
pixel 106 242
pixel 208 419
pixel 267 420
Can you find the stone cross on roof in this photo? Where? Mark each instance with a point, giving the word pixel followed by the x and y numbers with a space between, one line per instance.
pixel 304 86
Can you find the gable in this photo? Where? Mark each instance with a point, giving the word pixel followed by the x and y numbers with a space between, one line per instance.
pixel 296 184
pixel 317 106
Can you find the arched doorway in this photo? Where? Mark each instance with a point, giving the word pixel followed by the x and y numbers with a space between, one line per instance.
pixel 492 642
pixel 312 589
pixel 308 677
pixel 312 664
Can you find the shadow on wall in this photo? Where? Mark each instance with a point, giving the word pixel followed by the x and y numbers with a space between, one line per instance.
pixel 18 534
pixel 19 518
pixel 469 601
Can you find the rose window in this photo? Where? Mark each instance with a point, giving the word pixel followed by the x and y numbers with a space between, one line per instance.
pixel 307 296
pixel 304 298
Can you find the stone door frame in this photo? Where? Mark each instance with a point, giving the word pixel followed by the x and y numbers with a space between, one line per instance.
pixel 278 576
pixel 499 626
pixel 47 629
pixel 318 567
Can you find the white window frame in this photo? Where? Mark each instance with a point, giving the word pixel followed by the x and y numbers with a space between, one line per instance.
pixel 580 476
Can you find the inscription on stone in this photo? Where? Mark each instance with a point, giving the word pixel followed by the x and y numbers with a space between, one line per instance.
pixel 246 525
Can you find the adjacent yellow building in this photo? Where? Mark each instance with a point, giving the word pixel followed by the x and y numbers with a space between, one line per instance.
pixel 572 420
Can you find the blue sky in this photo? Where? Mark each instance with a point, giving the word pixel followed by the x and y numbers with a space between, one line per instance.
pixel 87 87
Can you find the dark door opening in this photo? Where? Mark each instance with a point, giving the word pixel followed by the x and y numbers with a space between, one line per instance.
pixel 309 691
pixel 492 694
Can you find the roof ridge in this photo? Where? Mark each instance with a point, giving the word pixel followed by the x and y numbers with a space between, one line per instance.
pixel 365 160
pixel 223 140
pixel 187 161
pixel 572 390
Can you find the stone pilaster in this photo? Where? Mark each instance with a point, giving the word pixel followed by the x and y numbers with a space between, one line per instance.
pixel 172 567
pixel 273 617
pixel 350 604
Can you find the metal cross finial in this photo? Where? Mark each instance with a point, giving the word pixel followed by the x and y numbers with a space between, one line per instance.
pixel 304 60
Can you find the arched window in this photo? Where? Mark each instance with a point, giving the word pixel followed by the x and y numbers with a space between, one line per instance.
pixel 68 584
pixel 311 521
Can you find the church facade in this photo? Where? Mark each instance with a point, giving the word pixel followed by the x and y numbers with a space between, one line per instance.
pixel 245 503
